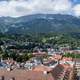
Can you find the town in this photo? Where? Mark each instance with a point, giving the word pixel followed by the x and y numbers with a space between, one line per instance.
pixel 31 61
pixel 39 39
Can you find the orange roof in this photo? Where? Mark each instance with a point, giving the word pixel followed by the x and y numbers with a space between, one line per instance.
pixel 35 74
pixel 59 70
pixel 57 57
pixel 20 74
pixel 42 68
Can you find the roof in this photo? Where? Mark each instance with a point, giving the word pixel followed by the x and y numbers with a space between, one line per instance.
pixel 42 68
pixel 67 59
pixel 20 74
pixel 60 70
pixel 57 70
pixel 39 53
pixel 57 57
pixel 77 60
pixel 9 61
pixel 37 73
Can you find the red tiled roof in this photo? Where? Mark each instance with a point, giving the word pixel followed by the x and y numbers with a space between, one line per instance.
pixel 57 57
pixel 25 75
pixel 57 71
pixel 42 68
pixel 37 73
pixel 60 70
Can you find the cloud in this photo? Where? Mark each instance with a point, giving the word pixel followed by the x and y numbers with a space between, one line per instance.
pixel 16 8
pixel 76 10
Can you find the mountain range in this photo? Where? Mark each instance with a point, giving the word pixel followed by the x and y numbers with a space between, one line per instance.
pixel 40 23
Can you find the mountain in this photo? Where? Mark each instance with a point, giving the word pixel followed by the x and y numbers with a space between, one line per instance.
pixel 40 23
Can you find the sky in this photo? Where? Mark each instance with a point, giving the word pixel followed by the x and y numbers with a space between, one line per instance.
pixel 17 8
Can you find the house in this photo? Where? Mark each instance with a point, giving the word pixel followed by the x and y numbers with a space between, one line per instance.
pixel 60 72
pixel 20 74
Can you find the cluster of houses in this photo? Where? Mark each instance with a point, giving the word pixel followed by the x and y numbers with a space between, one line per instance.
pixel 42 66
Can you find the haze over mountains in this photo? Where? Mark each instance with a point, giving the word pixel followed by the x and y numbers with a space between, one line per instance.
pixel 40 23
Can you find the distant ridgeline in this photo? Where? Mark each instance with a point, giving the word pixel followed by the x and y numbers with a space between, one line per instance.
pixel 40 23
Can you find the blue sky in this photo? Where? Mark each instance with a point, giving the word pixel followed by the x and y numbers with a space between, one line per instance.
pixel 76 1
pixel 17 8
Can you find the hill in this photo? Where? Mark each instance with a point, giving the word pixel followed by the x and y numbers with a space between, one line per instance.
pixel 40 23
